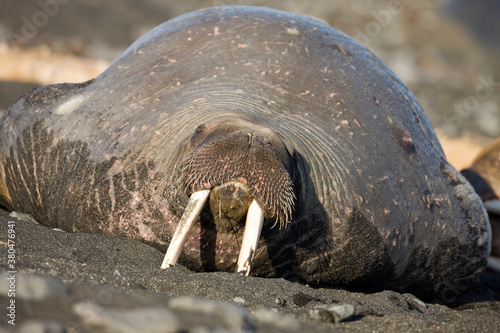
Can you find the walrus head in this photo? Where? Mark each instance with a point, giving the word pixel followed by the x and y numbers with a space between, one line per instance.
pixel 247 170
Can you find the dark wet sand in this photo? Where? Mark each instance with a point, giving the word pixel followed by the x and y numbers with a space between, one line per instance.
pixel 127 273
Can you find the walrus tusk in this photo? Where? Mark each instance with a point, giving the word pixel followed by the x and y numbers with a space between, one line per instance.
pixel 251 235
pixel 493 206
pixel 193 209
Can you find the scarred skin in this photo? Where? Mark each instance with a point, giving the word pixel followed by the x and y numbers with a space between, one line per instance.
pixel 375 203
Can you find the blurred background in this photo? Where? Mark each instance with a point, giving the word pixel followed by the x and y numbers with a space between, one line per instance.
pixel 446 51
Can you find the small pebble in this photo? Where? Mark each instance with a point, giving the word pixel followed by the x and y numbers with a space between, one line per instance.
pixel 280 301
pixel 415 303
pixel 22 216
pixel 276 319
pixel 239 300
pixel 333 313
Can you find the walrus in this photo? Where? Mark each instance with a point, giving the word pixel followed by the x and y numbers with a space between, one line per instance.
pixel 251 140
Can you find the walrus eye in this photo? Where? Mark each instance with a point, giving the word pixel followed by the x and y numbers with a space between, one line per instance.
pixel 251 235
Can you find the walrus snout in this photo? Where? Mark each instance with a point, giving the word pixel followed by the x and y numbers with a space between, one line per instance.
pixel 236 150
pixel 245 170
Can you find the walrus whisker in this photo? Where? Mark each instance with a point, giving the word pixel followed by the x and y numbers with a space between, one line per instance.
pixel 251 235
pixel 276 222
pixel 193 209
pixel 493 206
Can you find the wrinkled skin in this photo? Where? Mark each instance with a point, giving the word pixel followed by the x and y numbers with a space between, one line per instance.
pixel 376 204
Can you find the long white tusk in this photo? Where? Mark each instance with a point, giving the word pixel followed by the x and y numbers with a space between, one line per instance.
pixel 251 235
pixel 493 206
pixel 193 209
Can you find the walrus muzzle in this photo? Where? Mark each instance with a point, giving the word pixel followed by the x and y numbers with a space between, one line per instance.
pixel 239 161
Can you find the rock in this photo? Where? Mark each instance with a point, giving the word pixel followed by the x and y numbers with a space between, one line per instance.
pixel 32 287
pixel 229 316
pixel 279 300
pixel 333 313
pixel 415 303
pixel 34 326
pixel 239 300
pixel 22 216
pixel 96 318
pixel 276 320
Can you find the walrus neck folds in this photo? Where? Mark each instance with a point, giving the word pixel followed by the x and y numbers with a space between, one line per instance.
pixel 247 170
